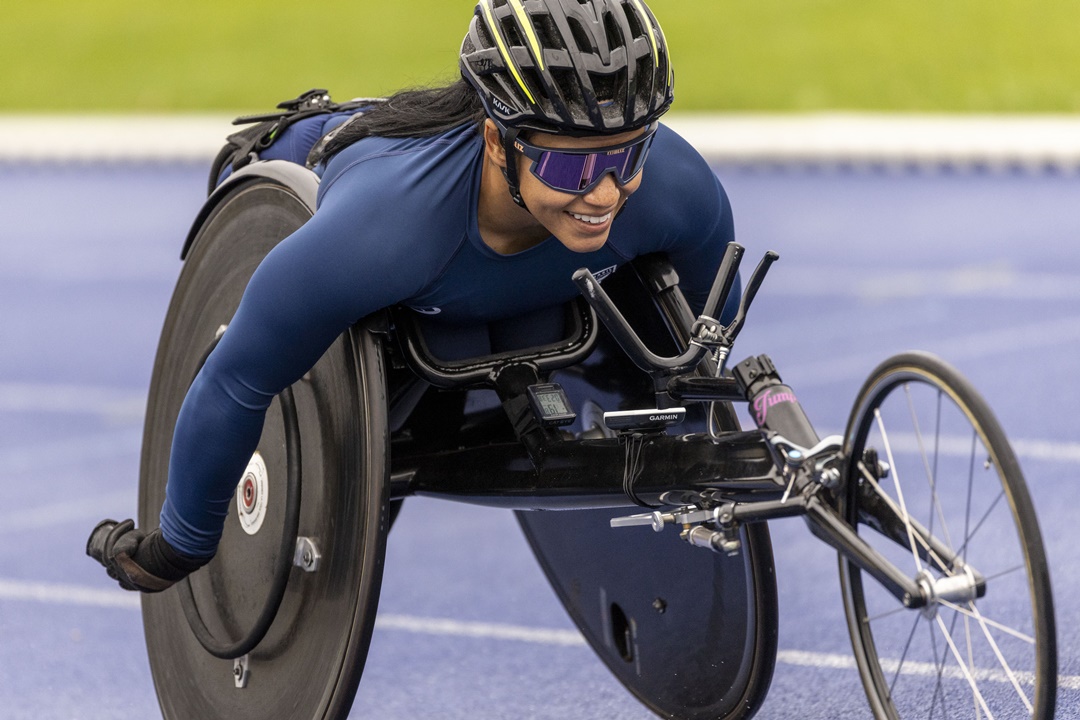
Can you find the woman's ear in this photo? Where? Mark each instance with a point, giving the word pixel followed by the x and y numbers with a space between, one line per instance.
pixel 493 147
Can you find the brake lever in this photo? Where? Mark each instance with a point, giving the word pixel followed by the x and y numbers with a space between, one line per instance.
pixel 752 286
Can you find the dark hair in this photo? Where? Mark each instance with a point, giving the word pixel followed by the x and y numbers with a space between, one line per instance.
pixel 419 112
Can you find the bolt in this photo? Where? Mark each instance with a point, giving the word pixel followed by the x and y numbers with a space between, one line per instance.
pixel 659 605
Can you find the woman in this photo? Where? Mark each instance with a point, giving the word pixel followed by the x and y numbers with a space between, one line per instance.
pixel 473 204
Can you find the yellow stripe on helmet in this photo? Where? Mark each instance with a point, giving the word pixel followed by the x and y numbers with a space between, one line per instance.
pixel 648 26
pixel 519 9
pixel 503 50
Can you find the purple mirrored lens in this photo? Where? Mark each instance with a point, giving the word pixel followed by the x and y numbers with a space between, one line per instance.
pixel 574 172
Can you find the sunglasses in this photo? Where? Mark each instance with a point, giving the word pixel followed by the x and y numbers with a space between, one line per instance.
pixel 579 171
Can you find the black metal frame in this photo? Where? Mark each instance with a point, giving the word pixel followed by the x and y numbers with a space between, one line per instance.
pixel 546 470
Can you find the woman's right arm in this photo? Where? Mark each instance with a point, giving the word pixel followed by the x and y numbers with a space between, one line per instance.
pixel 305 293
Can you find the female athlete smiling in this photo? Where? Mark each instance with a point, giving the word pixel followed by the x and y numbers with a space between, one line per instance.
pixel 472 204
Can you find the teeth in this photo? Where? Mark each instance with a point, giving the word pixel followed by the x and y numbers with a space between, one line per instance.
pixel 592 219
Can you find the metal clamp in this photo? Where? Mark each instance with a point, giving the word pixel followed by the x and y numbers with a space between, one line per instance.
pixel 307 555
pixel 241 671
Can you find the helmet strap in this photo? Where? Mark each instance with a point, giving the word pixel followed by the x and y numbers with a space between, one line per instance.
pixel 510 171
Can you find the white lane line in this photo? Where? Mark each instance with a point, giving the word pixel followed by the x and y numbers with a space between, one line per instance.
pixel 62 594
pixel 67 398
pixel 76 595
pixel 1034 141
pixel 831 661
pixel 957 446
pixel 494 631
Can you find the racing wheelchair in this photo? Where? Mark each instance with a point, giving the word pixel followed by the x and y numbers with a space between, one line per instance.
pixel 661 555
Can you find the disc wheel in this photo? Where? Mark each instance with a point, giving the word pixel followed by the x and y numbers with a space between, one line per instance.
pixel 933 485
pixel 333 431
pixel 691 634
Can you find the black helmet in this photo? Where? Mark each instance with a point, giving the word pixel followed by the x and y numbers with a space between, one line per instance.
pixel 580 67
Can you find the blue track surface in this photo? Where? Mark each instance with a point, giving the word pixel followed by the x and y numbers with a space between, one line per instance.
pixel 980 268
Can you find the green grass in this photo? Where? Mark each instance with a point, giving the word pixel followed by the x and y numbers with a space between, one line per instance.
pixel 734 55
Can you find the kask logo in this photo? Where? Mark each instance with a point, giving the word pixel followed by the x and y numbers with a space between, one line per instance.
pixel 500 106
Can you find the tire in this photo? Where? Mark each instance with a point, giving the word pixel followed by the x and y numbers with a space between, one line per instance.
pixel 309 663
pixel 949 468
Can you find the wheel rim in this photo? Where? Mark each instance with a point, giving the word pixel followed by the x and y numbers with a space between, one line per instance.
pixel 950 470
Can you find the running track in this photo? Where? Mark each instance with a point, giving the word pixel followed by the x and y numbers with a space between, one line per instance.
pixel 979 267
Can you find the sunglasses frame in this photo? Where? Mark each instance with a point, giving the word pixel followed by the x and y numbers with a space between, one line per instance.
pixel 536 153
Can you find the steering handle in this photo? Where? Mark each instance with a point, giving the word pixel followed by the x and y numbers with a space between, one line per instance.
pixel 626 337
pixel 711 331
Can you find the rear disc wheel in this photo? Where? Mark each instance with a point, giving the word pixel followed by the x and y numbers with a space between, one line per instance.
pixel 309 663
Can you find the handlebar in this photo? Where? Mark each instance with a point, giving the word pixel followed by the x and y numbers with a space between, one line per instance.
pixel 708 332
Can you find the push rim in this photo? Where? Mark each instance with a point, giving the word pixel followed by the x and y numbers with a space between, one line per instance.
pixel 947 466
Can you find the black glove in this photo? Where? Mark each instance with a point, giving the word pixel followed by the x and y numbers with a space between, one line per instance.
pixel 139 561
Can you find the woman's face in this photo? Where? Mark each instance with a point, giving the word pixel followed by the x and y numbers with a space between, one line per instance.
pixel 580 222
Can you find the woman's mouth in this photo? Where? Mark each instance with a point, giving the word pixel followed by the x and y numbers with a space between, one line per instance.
pixel 591 219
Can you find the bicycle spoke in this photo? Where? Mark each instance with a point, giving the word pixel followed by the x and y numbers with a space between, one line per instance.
pixel 931 476
pixel 1001 658
pixel 886 614
pixel 963 548
pixel 971 654
pixel 964 669
pixel 974 613
pixel 903 655
pixel 942 565
pixel 899 492
pixel 939 666
pixel 1003 573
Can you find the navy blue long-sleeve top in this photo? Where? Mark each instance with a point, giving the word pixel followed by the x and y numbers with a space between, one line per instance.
pixel 396 223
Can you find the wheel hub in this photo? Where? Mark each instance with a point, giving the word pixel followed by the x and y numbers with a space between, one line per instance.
pixel 954 589
pixel 251 495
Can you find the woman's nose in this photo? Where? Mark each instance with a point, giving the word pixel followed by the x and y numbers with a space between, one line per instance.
pixel 605 194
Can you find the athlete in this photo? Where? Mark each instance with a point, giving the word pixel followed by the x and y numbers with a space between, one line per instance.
pixel 473 204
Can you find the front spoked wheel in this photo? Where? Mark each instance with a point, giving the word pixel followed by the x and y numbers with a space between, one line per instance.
pixel 933 485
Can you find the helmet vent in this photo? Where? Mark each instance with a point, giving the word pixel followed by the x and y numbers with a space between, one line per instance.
pixel 511 33
pixel 581 38
pixel 570 88
pixel 485 37
pixel 548 33
pixel 634 21
pixel 604 87
pixel 614 34
pixel 533 81
pixel 645 89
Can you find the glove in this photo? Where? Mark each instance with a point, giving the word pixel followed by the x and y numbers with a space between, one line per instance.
pixel 139 561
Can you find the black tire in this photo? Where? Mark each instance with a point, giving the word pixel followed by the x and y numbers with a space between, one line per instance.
pixel 309 663
pixel 951 469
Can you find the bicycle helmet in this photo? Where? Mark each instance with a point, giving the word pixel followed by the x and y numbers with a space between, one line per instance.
pixel 578 67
